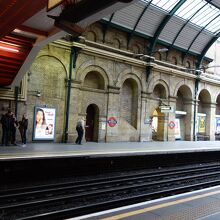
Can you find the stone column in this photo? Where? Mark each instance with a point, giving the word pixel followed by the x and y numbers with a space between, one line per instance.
pixel 210 120
pixel 113 110
pixel 75 110
pixel 188 119
pixel 146 120
pixel 171 119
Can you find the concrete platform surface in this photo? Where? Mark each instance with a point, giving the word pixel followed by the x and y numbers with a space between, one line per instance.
pixel 92 149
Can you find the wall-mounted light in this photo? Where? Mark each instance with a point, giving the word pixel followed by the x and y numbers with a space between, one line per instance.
pixel 38 93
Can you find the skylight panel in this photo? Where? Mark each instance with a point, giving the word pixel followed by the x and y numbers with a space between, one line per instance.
pixel 197 12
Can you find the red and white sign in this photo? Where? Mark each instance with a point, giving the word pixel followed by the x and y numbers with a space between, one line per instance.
pixel 112 121
pixel 171 124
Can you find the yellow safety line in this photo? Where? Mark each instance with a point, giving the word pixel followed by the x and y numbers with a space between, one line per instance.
pixel 141 211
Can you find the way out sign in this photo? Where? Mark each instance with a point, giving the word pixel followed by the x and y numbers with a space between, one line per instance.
pixel 112 121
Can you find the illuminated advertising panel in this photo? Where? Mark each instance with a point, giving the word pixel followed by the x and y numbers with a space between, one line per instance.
pixel 44 123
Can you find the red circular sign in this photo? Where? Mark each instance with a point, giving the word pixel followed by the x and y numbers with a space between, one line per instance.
pixel 171 124
pixel 112 121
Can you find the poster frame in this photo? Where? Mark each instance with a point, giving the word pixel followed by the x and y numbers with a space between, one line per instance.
pixel 34 138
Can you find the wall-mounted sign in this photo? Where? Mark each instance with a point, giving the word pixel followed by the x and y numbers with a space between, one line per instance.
pixel 202 124
pixel 112 121
pixel 177 129
pixel 171 124
pixel 44 123
pixel 217 125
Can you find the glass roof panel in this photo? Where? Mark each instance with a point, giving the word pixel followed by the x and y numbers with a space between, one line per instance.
pixel 199 12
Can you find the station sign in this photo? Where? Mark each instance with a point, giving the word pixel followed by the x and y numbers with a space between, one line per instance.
pixel 166 108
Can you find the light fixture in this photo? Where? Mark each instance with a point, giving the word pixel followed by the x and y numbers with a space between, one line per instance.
pixel 9 49
pixel 38 93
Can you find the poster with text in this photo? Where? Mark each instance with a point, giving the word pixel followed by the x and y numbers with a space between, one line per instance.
pixel 202 124
pixel 177 129
pixel 44 123
pixel 217 128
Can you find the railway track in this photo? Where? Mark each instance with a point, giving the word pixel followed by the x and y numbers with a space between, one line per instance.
pixel 73 198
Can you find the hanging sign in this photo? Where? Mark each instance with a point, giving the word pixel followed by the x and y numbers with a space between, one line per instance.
pixel 112 121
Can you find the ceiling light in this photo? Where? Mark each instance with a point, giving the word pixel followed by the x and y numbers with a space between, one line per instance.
pixel 9 49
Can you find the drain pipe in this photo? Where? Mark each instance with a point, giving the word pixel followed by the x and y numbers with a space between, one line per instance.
pixel 16 101
pixel 73 58
pixel 195 109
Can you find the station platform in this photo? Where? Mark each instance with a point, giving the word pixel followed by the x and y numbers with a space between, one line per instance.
pixel 92 149
pixel 198 205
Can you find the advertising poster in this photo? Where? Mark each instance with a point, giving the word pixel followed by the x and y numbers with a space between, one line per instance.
pixel 44 123
pixel 202 124
pixel 217 129
pixel 177 129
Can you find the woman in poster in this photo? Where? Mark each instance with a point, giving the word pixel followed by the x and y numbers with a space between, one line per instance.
pixel 40 128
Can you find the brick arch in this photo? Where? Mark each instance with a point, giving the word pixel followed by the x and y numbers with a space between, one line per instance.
pixel 153 83
pixel 54 57
pixel 189 90
pixel 205 95
pixel 81 73
pixel 128 75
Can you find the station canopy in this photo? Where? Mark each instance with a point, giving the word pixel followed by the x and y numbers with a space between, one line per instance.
pixel 189 25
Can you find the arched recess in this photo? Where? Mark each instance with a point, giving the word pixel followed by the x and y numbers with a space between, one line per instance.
pixel 48 76
pixel 116 43
pixel 94 80
pixel 204 109
pixel 217 118
pixel 160 82
pixel 158 118
pixel 129 102
pixel 92 123
pixel 126 74
pixel 82 72
pixel 184 114
pixel 91 36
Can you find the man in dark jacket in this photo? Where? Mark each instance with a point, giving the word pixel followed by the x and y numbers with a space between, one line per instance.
pixel 6 121
pixel 80 131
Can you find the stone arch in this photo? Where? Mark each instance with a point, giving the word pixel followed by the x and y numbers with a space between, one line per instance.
pixel 185 89
pixel 48 75
pixel 188 64
pixel 94 80
pixel 183 95
pixel 218 104
pixel 116 43
pixel 158 56
pixel 153 83
pixel 184 111
pixel 91 36
pixel 174 60
pixel 82 72
pixel 128 75
pixel 204 95
pixel 135 48
pixel 92 122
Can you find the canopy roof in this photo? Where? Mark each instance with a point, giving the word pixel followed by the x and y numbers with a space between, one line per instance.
pixel 189 25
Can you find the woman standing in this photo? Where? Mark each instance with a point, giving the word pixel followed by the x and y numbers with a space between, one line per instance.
pixel 23 125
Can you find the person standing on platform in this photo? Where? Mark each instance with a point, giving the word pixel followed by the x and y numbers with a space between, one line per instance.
pixel 14 124
pixel 6 128
pixel 23 125
pixel 80 131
